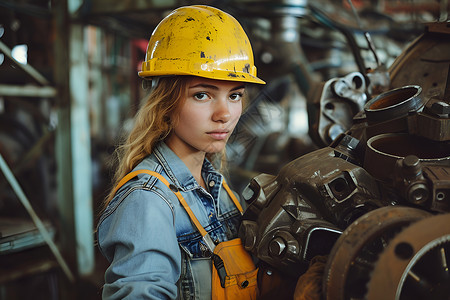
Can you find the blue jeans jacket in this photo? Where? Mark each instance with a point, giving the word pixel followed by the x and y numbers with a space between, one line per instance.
pixel 154 250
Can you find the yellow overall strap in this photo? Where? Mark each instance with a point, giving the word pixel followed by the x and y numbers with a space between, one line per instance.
pixel 183 202
pixel 175 191
pixel 233 197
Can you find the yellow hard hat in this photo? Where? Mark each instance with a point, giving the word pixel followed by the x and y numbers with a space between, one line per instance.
pixel 203 41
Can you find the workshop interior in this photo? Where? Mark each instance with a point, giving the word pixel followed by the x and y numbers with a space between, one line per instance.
pixel 343 154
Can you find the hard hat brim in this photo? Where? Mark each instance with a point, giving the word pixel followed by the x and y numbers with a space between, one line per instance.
pixel 217 74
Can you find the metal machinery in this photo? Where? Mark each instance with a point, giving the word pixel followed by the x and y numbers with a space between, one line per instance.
pixel 376 199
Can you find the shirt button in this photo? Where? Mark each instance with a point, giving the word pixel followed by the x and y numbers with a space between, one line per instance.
pixel 211 183
pixel 173 188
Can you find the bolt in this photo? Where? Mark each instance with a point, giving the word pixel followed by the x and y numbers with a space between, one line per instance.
pixel 411 161
pixel 277 246
pixel 440 108
pixel 411 167
pixel 418 193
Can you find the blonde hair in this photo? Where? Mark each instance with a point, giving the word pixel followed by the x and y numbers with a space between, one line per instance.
pixel 153 123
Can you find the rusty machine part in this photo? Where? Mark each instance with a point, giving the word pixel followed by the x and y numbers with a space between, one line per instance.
pixel 357 198
pixel 417 261
pixel 394 104
pixel 406 109
pixel 434 122
pixel 298 214
pixel 339 99
pixel 405 154
pixel 355 253
pixel 412 166
pixel 424 62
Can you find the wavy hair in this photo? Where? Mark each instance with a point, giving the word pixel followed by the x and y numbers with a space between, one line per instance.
pixel 153 123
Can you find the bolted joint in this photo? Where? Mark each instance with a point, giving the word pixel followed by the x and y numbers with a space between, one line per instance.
pixel 411 167
pixel 277 247
pixel 418 193
pixel 284 246
pixel 440 108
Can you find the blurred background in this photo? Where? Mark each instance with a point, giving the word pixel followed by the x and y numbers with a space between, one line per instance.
pixel 69 90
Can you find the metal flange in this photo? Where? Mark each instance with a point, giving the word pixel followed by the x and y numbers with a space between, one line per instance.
pixel 355 253
pixel 415 265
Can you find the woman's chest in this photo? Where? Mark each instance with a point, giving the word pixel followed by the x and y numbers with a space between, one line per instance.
pixel 218 216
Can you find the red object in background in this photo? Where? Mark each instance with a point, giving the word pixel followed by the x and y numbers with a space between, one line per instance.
pixel 138 51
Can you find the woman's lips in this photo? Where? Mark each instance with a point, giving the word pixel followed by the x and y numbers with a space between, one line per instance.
pixel 218 135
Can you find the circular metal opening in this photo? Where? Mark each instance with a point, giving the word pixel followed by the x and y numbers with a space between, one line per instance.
pixel 404 250
pixel 440 196
pixel 402 145
pixel 357 82
pixel 394 104
pixel 393 98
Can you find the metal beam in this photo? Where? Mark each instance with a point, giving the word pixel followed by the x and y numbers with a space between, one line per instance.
pixel 121 6
pixel 73 139
pixel 26 67
pixel 36 220
pixel 27 91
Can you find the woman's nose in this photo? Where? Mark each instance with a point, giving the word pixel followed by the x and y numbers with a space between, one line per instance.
pixel 221 111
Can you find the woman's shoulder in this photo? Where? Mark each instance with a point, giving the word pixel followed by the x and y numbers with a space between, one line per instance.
pixel 144 179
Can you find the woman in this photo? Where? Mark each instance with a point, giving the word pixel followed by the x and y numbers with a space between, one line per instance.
pixel 199 59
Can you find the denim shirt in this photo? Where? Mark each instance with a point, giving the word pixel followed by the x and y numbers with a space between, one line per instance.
pixel 153 248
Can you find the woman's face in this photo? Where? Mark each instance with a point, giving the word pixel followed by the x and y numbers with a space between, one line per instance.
pixel 208 115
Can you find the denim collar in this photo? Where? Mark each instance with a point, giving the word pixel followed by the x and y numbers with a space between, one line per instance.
pixel 178 172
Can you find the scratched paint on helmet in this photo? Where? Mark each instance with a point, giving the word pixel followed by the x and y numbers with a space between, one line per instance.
pixel 202 41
